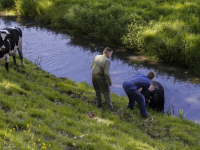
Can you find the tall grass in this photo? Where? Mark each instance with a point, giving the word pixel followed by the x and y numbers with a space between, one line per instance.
pixel 166 30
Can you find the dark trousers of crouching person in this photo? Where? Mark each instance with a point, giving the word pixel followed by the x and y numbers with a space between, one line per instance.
pixel 135 95
pixel 101 87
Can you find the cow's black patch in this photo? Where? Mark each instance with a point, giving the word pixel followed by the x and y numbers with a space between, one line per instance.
pixel 155 96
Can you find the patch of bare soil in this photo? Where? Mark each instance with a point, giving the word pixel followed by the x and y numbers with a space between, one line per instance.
pixel 91 114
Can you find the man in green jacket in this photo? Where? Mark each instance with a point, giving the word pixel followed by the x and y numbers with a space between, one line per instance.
pixel 101 77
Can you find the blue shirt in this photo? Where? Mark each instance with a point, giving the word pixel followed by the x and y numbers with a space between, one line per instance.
pixel 136 82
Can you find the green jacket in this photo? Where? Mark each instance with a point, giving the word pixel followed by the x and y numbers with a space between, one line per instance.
pixel 101 65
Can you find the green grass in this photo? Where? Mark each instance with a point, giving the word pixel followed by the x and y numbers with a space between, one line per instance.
pixel 165 30
pixel 40 111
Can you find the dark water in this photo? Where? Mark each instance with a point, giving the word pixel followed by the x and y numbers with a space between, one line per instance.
pixel 71 56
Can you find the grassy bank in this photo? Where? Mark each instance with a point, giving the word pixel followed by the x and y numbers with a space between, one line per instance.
pixel 40 111
pixel 165 30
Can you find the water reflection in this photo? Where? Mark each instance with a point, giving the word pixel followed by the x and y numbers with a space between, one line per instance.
pixel 131 59
pixel 71 56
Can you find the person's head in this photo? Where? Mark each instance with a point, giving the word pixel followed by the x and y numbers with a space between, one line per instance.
pixel 151 75
pixel 108 52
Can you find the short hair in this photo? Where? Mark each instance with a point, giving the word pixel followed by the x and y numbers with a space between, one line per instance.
pixel 151 75
pixel 107 50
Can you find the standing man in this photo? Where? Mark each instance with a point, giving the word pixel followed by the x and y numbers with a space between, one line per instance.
pixel 131 86
pixel 101 77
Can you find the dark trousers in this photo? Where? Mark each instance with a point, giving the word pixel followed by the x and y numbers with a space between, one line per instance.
pixel 135 95
pixel 101 86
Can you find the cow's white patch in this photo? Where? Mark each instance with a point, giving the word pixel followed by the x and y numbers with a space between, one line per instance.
pixel 12 27
pixel 20 43
pixel 2 47
pixel 3 35
pixel 7 58
pixel 6 31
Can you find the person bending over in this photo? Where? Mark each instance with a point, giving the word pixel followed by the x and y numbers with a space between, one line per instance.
pixel 131 86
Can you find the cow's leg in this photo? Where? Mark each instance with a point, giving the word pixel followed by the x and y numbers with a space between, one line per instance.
pixel 6 64
pixel 20 52
pixel 14 59
pixel 21 57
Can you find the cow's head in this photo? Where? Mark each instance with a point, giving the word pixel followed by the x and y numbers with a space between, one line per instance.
pixel 4 39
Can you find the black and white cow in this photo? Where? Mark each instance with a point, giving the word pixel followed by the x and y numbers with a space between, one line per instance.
pixel 10 42
pixel 155 96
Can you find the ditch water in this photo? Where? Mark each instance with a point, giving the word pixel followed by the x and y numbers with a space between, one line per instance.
pixel 71 56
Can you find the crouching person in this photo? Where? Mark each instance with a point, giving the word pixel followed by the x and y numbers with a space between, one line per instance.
pixel 155 97
pixel 131 86
pixel 101 77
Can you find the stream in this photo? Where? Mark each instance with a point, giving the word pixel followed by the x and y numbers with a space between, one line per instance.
pixel 68 56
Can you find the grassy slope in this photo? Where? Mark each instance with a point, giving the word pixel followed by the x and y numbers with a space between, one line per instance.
pixel 40 111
